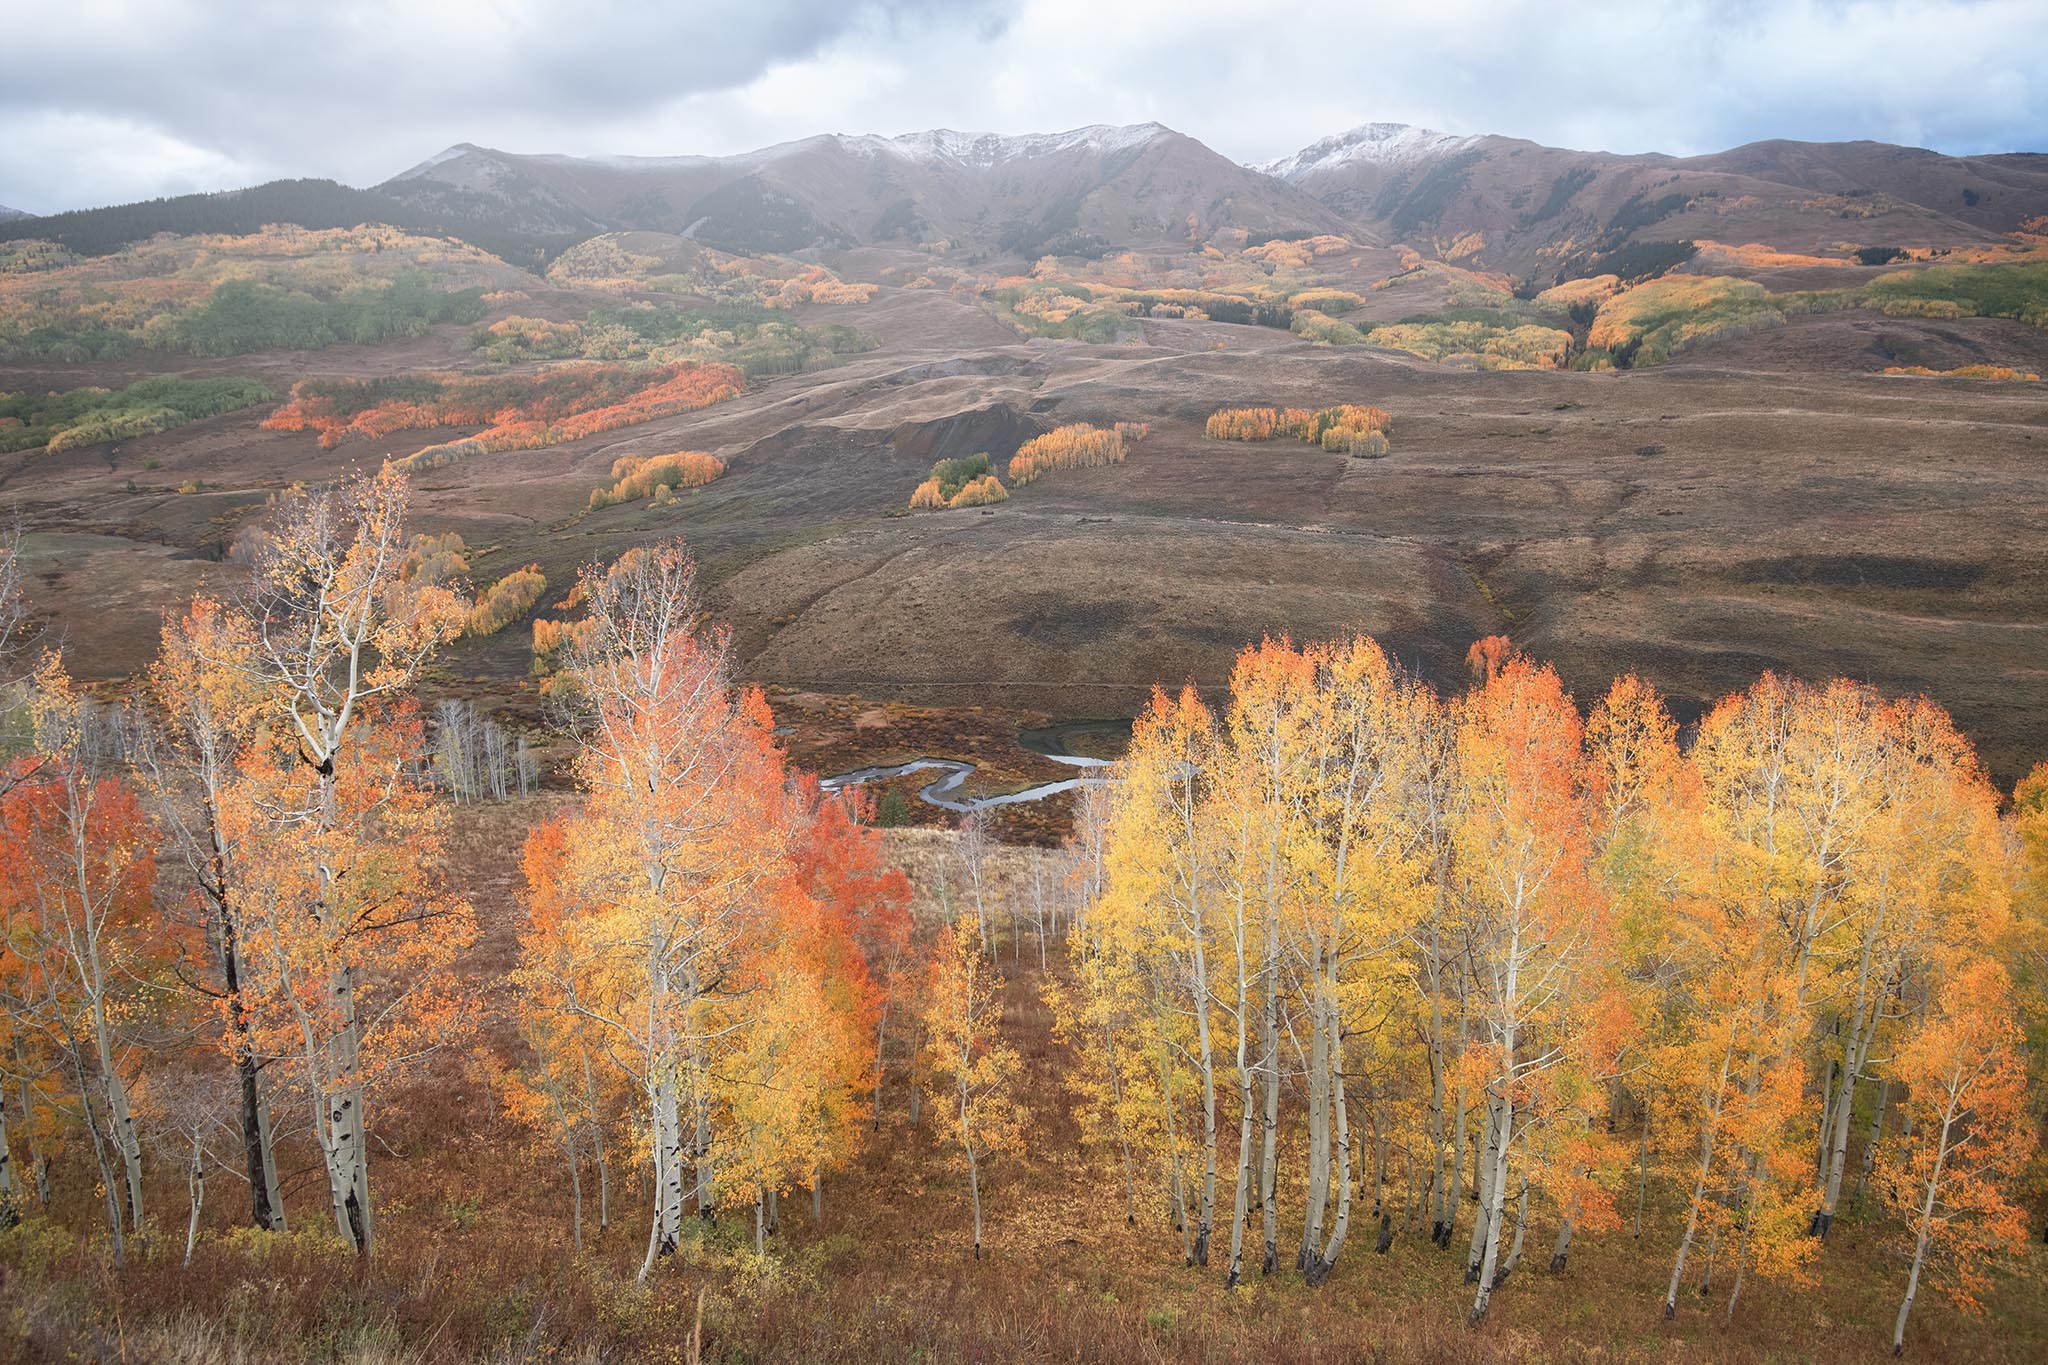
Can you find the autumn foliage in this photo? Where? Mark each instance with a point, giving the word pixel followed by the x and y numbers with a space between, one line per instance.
pixel 1078 445
pixel 506 600
pixel 656 477
pixel 1554 955
pixel 1347 428
pixel 969 481
pixel 528 411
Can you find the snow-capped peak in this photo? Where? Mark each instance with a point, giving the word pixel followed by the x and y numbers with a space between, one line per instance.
pixel 1381 144
pixel 989 149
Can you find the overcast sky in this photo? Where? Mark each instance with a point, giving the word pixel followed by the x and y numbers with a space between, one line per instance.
pixel 104 101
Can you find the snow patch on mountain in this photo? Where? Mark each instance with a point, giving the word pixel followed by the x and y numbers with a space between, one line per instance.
pixel 991 149
pixel 1379 144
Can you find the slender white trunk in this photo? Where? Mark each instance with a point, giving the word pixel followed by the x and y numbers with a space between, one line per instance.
pixel 195 1192
pixel 1926 1223
pixel 1709 1133
pixel 10 1188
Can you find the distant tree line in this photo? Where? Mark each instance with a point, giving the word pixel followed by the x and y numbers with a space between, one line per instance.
pixel 308 203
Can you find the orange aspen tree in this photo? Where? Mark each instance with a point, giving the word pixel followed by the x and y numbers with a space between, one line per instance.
pixel 838 859
pixel 1439 936
pixel 75 879
pixel 1789 782
pixel 211 703
pixel 1523 840
pixel 969 1070
pixel 350 935
pixel 1965 1086
pixel 1645 830
pixel 675 845
pixel 338 639
pixel 565 1086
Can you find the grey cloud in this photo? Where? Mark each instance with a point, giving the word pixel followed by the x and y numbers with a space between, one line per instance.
pixel 104 100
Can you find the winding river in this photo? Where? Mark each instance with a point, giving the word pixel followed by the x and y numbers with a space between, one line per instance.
pixel 1050 742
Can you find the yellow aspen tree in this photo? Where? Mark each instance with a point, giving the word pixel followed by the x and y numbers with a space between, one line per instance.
pixel 1157 908
pixel 970 1072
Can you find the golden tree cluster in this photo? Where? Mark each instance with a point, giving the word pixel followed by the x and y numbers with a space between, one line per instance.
pixel 1348 428
pixel 1490 945
pixel 1078 445
pixel 656 477
pixel 701 986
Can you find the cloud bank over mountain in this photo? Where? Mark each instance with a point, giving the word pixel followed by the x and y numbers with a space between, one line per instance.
pixel 112 100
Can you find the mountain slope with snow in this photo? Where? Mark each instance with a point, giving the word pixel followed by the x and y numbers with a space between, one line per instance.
pixel 1086 189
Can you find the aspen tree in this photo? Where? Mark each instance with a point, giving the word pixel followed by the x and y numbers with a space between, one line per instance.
pixel 338 638
pixel 1925 875
pixel 1966 1084
pixel 970 1071
pixel 1524 837
pixel 1157 905
pixel 1266 731
pixel 676 837
pixel 212 703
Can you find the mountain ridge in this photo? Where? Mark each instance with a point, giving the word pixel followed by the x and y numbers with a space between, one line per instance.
pixel 1501 203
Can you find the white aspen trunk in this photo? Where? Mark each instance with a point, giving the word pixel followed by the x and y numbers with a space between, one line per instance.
pixel 1862 1029
pixel 1495 1208
pixel 1926 1228
pixel 973 1159
pixel 1205 1220
pixel 265 1156
pixel 1269 1118
pixel 1563 1250
pixel 195 1193
pixel 1643 1161
pixel 38 1162
pixel 110 1180
pixel 348 1159
pixel 1240 1204
pixel 1514 1256
pixel 1318 1137
pixel 1326 1256
pixel 1441 1211
pixel 604 1175
pixel 120 1122
pixel 1176 1191
pixel 1458 1133
pixel 1482 1186
pixel 1708 1133
pixel 10 1188
pixel 1510 1002
pixel 881 1072
pixel 569 1155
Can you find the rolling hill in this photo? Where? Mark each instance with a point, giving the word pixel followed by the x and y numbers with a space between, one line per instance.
pixel 1549 213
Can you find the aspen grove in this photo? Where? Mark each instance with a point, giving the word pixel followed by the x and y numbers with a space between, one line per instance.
pixel 1337 966
pixel 1483 969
